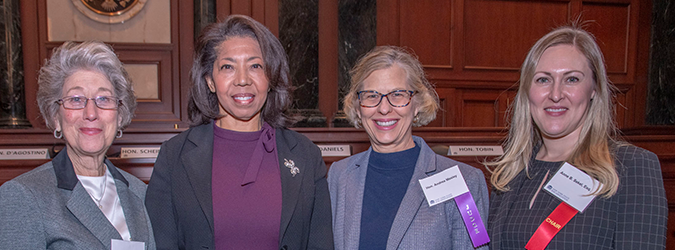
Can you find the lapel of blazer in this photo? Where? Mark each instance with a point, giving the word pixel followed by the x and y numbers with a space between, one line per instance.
pixel 80 203
pixel 353 198
pixel 197 159
pixel 134 212
pixel 414 196
pixel 290 185
pixel 91 217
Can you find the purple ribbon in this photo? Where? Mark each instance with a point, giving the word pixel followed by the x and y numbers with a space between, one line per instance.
pixel 472 221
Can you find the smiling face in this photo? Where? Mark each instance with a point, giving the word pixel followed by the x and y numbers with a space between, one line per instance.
pixel 240 83
pixel 389 128
pixel 561 92
pixel 89 131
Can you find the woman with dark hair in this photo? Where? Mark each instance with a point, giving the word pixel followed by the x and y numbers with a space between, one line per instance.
pixel 238 179
pixel 79 200
pixel 563 133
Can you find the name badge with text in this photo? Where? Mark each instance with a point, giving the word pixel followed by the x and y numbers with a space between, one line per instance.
pixel 573 187
pixel 450 184
pixel 443 186
pixel 126 245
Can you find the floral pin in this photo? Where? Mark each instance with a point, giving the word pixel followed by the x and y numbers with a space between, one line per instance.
pixel 291 165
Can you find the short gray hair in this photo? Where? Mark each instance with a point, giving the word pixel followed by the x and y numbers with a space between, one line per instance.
pixel 72 57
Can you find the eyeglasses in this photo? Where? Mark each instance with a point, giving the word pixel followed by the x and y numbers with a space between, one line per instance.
pixel 397 98
pixel 79 102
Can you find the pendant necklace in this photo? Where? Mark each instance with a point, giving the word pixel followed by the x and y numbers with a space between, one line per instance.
pixel 103 187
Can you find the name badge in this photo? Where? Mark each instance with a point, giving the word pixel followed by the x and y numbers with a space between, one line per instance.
pixel 573 187
pixel 450 184
pixel 443 186
pixel 126 245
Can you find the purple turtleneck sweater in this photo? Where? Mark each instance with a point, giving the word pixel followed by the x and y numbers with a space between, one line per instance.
pixel 246 189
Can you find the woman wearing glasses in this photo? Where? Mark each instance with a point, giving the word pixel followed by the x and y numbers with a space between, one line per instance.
pixel 79 200
pixel 376 196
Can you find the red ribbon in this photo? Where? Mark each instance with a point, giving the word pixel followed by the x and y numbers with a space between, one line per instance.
pixel 551 226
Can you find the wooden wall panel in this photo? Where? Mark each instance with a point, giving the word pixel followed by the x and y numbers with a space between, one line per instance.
pixel 624 104
pixel 433 22
pixel 611 27
pixel 167 106
pixel 481 108
pixel 446 115
pixel 498 34
pixel 263 11
pixel 479 113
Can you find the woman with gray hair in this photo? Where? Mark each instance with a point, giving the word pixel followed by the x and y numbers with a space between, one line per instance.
pixel 381 198
pixel 238 179
pixel 79 200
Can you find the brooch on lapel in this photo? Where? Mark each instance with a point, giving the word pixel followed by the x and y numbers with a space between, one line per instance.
pixel 291 165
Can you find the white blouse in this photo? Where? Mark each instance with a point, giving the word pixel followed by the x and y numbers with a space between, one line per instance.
pixel 104 193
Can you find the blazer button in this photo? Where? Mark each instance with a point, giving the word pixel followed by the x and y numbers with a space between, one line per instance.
pixel 285 247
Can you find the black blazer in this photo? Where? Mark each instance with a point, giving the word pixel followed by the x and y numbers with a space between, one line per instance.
pixel 179 198
pixel 634 218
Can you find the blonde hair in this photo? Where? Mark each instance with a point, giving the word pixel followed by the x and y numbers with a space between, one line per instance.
pixel 598 138
pixel 383 57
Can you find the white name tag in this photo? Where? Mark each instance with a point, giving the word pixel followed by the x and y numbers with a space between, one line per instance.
pixel 475 150
pixel 335 150
pixel 573 186
pixel 147 152
pixel 126 245
pixel 443 186
pixel 24 154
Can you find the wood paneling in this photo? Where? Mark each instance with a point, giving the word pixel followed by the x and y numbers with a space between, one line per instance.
pixel 263 11
pixel 611 27
pixel 173 61
pixel 498 34
pixel 167 107
pixel 471 49
pixel 480 45
pixel 427 26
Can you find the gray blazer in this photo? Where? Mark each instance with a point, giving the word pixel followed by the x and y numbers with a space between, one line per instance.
pixel 48 208
pixel 416 226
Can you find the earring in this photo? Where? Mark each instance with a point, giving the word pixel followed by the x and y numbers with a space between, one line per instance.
pixel 58 134
pixel 416 119
pixel 119 134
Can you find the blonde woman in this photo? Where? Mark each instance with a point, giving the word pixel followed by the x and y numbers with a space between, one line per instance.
pixel 376 197
pixel 563 112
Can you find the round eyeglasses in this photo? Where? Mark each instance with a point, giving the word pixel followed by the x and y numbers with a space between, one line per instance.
pixel 79 102
pixel 397 98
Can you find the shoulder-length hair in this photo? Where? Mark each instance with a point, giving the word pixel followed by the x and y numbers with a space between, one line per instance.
pixel 203 106
pixel 593 152
pixel 383 57
pixel 72 57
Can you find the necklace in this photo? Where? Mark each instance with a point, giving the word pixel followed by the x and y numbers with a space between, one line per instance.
pixel 102 187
